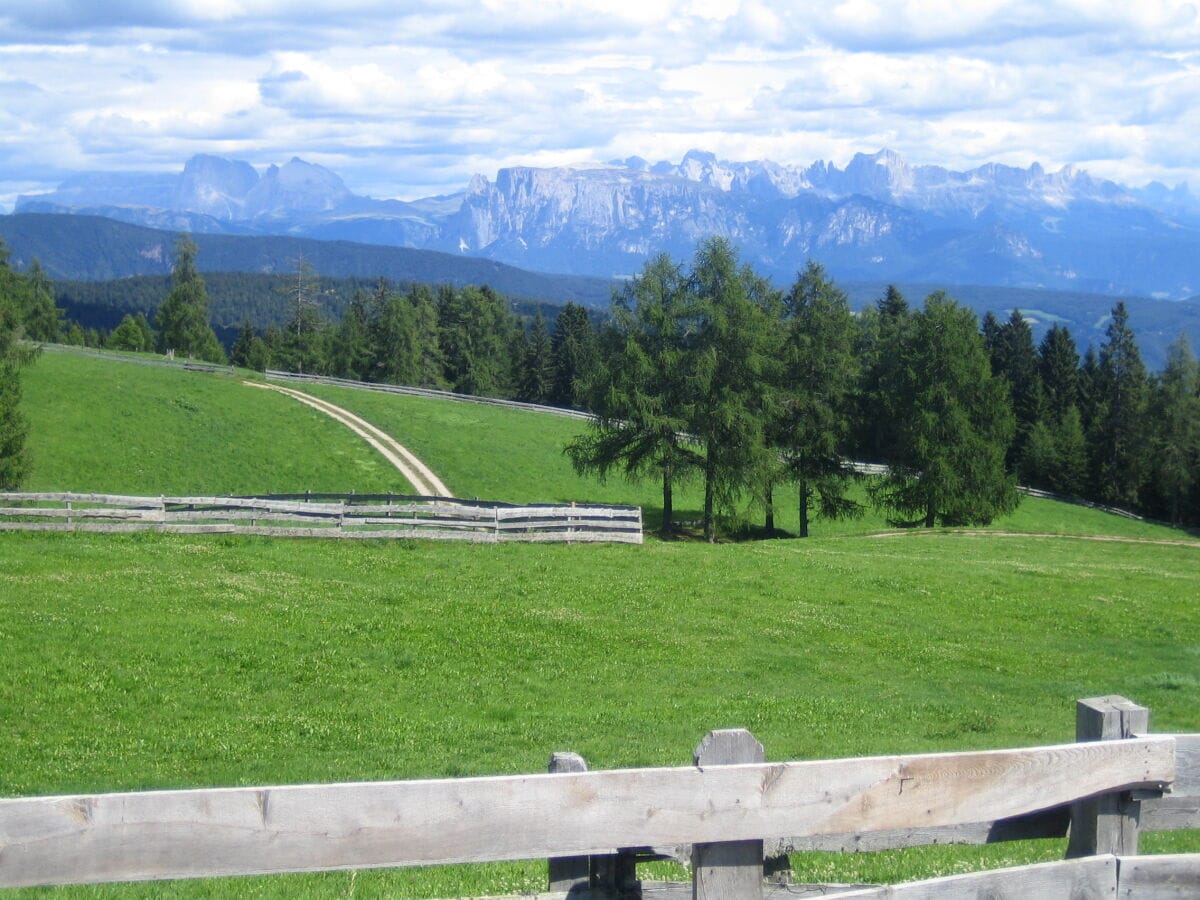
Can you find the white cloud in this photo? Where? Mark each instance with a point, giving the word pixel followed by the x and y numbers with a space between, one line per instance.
pixel 414 97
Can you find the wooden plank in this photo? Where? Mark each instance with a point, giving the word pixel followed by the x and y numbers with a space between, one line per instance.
pixel 1047 824
pixel 86 512
pixel 1106 824
pixel 1170 814
pixel 67 496
pixel 1094 876
pixel 728 868
pixel 568 873
pixel 329 509
pixel 1166 877
pixel 170 834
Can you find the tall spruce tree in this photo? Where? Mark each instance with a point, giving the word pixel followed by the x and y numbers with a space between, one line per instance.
pixel 575 355
pixel 1015 359
pixel 641 392
pixel 1176 429
pixel 42 319
pixel 884 332
pixel 350 351
pixel 732 365
pixel 14 458
pixel 1055 454
pixel 537 365
pixel 956 425
pixel 1117 437
pixel 812 416
pixel 183 318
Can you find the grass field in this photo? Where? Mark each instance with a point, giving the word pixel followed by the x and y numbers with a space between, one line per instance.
pixel 139 661
pixel 98 425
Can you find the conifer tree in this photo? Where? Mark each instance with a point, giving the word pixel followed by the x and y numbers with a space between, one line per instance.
pixel 732 363
pixel 537 366
pixel 640 393
pixel 183 323
pixel 1119 463
pixel 956 424
pixel 1176 426
pixel 575 355
pixel 884 331
pixel 42 319
pixel 14 459
pixel 128 335
pixel 812 417
pixel 1015 359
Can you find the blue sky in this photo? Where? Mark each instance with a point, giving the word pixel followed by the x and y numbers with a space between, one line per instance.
pixel 409 99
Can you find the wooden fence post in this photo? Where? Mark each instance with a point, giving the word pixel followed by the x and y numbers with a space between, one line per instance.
pixel 729 869
pixel 1109 823
pixel 569 872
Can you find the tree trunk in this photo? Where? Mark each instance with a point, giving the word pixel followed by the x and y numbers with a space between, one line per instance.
pixel 710 528
pixel 668 510
pixel 931 514
pixel 803 507
pixel 770 502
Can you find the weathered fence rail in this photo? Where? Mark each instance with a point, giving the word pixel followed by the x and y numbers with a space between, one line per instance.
pixel 719 808
pixel 323 515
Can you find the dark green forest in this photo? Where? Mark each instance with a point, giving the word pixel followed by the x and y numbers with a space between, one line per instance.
pixel 706 371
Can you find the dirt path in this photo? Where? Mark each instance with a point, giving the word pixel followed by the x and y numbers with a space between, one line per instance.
pixel 1111 538
pixel 419 475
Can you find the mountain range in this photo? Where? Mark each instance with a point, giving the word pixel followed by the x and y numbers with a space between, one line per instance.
pixel 877 219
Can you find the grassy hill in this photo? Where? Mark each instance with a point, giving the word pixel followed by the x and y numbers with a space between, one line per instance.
pixel 326 660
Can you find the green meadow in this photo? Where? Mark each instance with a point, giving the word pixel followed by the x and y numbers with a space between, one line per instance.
pixel 155 661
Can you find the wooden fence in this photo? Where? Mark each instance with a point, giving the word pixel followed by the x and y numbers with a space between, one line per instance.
pixel 594 826
pixel 323 515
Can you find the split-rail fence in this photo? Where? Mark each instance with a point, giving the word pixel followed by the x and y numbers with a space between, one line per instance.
pixel 730 813
pixel 323 515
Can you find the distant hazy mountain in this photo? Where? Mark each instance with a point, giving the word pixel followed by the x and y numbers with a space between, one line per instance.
pixel 878 219
pixel 93 248
pixel 127 268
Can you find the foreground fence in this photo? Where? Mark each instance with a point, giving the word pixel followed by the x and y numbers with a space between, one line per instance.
pixel 323 515
pixel 594 826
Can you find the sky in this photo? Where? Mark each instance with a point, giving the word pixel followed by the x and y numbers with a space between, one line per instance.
pixel 410 99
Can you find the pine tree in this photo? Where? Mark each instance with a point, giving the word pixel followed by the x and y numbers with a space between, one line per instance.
pixel 884 331
pixel 476 329
pixel 812 417
pixel 1058 365
pixel 1176 419
pixel 249 350
pixel 956 425
pixel 350 350
pixel 732 362
pixel 393 335
pixel 128 335
pixel 42 319
pixel 575 355
pixel 183 317
pixel 1016 361
pixel 640 393
pixel 1119 463
pixel 14 458
pixel 303 339
pixel 537 368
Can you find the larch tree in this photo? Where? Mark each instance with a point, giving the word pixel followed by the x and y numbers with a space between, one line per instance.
pixel 1119 464
pixel 183 318
pixel 956 424
pixel 811 421
pixel 640 394
pixel 731 367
